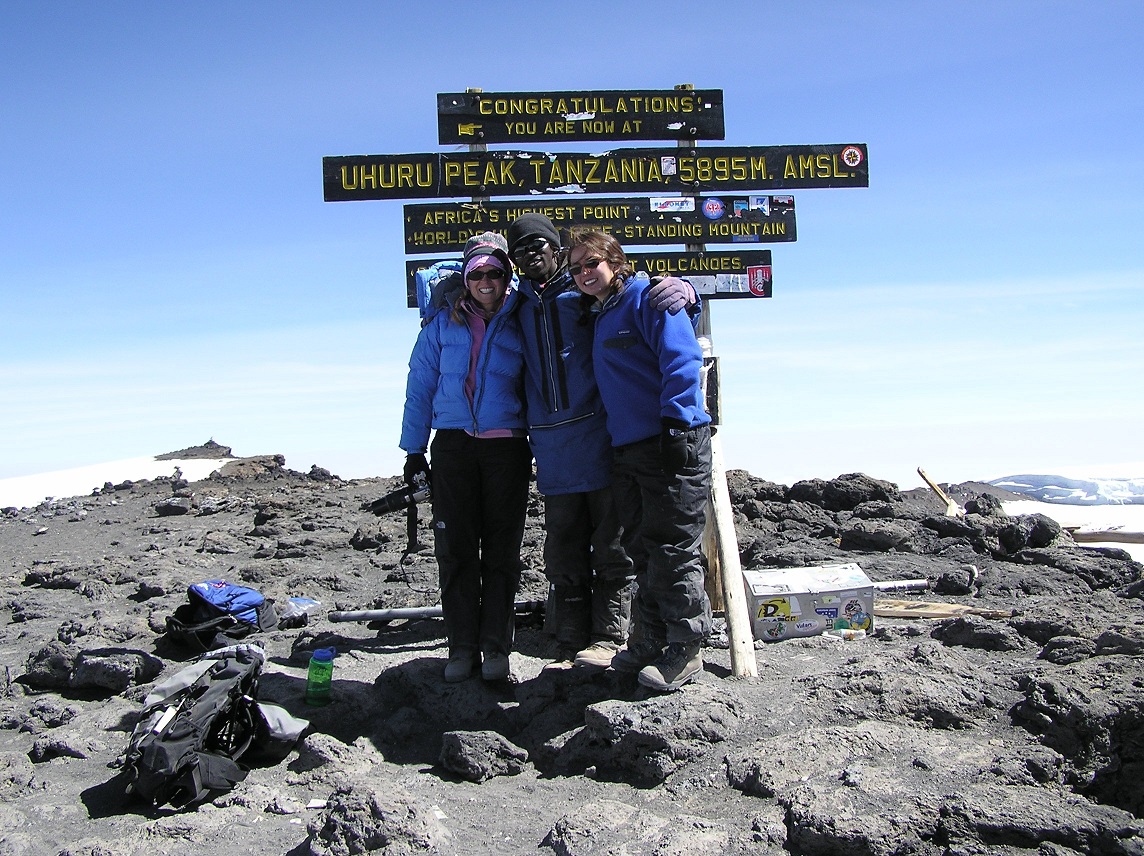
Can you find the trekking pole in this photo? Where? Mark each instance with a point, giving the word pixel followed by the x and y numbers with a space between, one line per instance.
pixel 411 545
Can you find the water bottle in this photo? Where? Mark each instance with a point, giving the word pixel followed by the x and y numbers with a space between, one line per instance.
pixel 319 675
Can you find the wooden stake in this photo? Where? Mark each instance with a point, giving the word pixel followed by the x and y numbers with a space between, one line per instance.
pixel 739 634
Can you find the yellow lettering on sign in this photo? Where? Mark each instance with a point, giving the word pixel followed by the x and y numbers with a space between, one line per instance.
pixel 732 229
pixel 552 212
pixel 668 230
pixel 387 175
pixel 814 166
pixel 597 126
pixel 605 212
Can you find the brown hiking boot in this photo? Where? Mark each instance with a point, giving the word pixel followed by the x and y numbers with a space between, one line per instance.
pixel 637 654
pixel 679 663
pixel 598 654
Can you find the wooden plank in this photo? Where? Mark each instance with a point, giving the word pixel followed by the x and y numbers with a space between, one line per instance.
pixel 887 608
pixel 545 117
pixel 740 638
pixel 714 169
pixel 714 275
pixel 757 218
pixel 1118 536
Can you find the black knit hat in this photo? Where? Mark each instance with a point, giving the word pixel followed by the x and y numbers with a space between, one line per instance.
pixel 531 225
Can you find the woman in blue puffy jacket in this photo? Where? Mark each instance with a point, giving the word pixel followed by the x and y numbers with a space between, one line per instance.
pixel 466 384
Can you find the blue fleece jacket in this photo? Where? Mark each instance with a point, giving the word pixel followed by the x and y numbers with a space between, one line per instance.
pixel 435 389
pixel 647 366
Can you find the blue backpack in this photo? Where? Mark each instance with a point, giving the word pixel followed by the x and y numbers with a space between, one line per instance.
pixel 219 612
pixel 433 283
pixel 436 283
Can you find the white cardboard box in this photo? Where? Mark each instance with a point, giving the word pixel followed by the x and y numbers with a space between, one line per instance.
pixel 792 602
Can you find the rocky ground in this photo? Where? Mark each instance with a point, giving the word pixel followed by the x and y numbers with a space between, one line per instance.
pixel 1016 734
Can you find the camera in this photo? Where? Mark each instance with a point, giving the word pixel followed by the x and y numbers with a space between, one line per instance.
pixel 403 498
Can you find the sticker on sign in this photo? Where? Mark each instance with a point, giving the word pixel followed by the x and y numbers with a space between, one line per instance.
pixel 671 204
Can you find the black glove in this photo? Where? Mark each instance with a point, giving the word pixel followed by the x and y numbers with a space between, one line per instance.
pixel 673 446
pixel 415 464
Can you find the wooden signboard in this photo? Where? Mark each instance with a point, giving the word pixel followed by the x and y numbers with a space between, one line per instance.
pixel 546 117
pixel 753 219
pixel 716 169
pixel 714 275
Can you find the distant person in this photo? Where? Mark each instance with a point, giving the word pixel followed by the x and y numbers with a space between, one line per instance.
pixel 589 572
pixel 647 365
pixel 465 383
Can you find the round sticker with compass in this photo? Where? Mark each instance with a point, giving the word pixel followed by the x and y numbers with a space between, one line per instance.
pixel 852 156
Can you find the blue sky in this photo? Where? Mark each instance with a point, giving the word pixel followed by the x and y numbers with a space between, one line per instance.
pixel 170 273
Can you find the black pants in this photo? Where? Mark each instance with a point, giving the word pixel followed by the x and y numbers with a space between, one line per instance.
pixel 480 495
pixel 591 575
pixel 663 518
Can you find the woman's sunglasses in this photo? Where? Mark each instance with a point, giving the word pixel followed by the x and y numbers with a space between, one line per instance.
pixel 478 275
pixel 586 265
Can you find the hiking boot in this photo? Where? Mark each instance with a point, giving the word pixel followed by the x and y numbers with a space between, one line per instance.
pixel 637 654
pixel 563 660
pixel 598 654
pixel 495 667
pixel 459 668
pixel 679 663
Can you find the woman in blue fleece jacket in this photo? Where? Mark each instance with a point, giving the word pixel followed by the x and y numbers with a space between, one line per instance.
pixel 647 366
pixel 466 383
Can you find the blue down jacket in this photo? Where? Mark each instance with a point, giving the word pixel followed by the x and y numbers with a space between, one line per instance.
pixel 435 389
pixel 567 428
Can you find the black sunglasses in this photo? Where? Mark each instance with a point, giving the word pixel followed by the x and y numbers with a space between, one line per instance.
pixel 586 265
pixel 533 248
pixel 478 275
